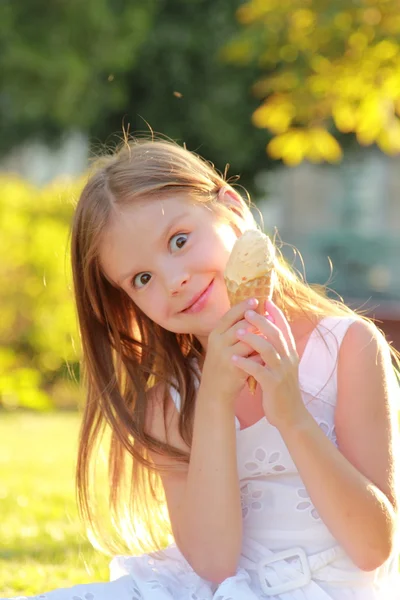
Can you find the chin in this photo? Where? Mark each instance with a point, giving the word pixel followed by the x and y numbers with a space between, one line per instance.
pixel 199 332
pixel 208 325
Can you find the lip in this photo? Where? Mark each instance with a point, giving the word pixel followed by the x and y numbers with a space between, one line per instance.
pixel 199 301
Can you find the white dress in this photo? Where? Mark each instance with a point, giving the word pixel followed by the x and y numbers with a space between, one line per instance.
pixel 287 553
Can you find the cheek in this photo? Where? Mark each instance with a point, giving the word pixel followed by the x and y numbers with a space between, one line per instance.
pixel 214 254
pixel 152 305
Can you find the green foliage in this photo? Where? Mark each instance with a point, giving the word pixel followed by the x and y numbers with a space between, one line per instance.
pixel 57 60
pixel 183 87
pixel 311 74
pixel 329 68
pixel 38 336
pixel 102 64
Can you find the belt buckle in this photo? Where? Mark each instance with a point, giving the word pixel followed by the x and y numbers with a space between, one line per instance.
pixel 303 579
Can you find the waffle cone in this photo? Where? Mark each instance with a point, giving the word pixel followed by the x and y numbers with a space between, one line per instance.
pixel 261 289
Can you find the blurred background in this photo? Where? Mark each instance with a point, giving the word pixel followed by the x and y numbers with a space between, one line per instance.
pixel 300 97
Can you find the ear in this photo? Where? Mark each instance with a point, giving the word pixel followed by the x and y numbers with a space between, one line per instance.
pixel 228 196
pixel 233 201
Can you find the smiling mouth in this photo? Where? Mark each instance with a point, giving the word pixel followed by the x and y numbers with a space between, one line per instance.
pixel 198 302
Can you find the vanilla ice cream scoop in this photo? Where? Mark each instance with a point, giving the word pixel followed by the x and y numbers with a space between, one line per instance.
pixel 252 256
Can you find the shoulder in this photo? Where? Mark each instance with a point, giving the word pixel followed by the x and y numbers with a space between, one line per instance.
pixel 160 411
pixel 354 338
pixel 363 342
pixel 366 377
pixel 162 420
pixel 367 405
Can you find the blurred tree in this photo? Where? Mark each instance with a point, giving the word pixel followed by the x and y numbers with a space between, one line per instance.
pixel 182 87
pixel 332 67
pixel 100 65
pixel 38 333
pixel 57 59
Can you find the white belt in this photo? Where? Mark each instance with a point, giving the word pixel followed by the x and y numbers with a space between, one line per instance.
pixel 278 576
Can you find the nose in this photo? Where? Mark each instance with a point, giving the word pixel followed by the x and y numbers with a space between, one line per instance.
pixel 176 282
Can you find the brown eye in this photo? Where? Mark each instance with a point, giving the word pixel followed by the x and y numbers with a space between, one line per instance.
pixel 178 241
pixel 141 280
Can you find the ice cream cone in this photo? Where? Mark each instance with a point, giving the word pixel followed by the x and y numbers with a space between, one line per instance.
pixel 261 289
pixel 250 273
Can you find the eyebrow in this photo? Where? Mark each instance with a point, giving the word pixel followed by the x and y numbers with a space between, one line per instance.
pixel 165 233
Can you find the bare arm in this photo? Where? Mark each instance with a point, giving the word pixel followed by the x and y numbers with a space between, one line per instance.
pixel 353 488
pixel 204 498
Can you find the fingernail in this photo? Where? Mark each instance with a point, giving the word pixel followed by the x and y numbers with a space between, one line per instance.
pixel 241 332
pixel 250 314
pixel 234 358
pixel 252 302
pixel 270 318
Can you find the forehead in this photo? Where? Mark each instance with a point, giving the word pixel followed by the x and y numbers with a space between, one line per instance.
pixel 152 215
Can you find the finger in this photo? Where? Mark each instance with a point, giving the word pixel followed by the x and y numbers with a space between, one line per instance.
pixel 234 314
pixel 251 367
pixel 270 331
pixel 243 325
pixel 282 324
pixel 242 349
pixel 257 358
pixel 263 347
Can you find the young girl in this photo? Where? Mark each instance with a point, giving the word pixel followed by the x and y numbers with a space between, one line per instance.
pixel 289 494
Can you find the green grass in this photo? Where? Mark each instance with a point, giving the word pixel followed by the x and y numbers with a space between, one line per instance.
pixel 42 542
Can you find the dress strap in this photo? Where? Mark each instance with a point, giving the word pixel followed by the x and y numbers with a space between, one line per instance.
pixel 175 395
pixel 318 366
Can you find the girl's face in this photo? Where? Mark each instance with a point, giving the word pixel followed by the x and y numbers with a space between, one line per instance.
pixel 169 256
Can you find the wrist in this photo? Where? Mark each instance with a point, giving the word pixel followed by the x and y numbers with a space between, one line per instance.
pixel 215 401
pixel 300 422
pixel 210 391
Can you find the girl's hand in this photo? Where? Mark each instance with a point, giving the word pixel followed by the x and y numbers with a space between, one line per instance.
pixel 278 376
pixel 219 371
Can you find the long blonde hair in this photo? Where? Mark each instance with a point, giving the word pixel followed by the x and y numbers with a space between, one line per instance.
pixel 125 353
